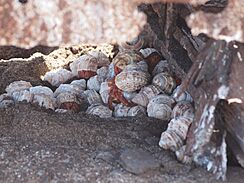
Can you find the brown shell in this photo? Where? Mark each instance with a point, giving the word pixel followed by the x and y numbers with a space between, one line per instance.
pixel 145 94
pixel 183 108
pixel 126 57
pixel 85 63
pixel 131 79
pixel 175 135
pixel 164 82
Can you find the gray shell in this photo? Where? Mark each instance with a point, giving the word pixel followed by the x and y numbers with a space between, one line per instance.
pixel 145 94
pixel 185 96
pixel 6 101
pixel 94 83
pixel 93 97
pixel 17 86
pixel 81 84
pixel 57 77
pixel 162 66
pixel 99 110
pixel 23 95
pixel 164 82
pixel 160 107
pixel 175 135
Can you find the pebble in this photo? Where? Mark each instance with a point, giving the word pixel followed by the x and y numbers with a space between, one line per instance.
pixel 138 161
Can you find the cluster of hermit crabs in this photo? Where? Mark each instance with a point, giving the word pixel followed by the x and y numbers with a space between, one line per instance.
pixel 133 83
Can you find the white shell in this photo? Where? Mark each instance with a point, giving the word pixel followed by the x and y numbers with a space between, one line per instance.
pixel 185 96
pixel 57 77
pixel 41 90
pixel 43 96
pixel 81 84
pixel 173 138
pixel 94 83
pixel 99 110
pixel 17 86
pixel 85 62
pixel 121 111
pixel 162 66
pixel 104 92
pixel 67 88
pixel 66 97
pixel 102 72
pixel 6 101
pixel 61 110
pixel 143 65
pixel 164 82
pixel 137 111
pixel 23 95
pixel 180 154
pixel 45 101
pixel 147 51
pixel 93 97
pixel 129 95
pixel 160 107
pixel 146 93
pixel 183 108
pixel 131 78
pixel 102 59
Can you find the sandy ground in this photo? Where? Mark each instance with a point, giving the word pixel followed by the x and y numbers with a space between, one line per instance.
pixel 38 145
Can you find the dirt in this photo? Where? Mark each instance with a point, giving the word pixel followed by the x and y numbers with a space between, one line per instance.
pixel 38 145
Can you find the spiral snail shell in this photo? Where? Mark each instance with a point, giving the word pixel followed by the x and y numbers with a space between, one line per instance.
pixel 160 107
pixel 23 95
pixel 185 96
pixel 173 138
pixel 57 77
pixel 181 156
pixel 183 108
pixel 99 110
pixel 164 82
pixel 17 86
pixel 162 67
pixel 6 101
pixel 85 66
pixel 126 57
pixel 102 59
pixel 131 78
pixel 93 97
pixel 68 101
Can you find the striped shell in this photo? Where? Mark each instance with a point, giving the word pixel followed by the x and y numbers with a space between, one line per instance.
pixel 102 59
pixel 164 82
pixel 93 97
pixel 23 95
pixel 131 79
pixel 121 111
pixel 162 66
pixel 99 110
pixel 81 84
pixel 129 95
pixel 57 77
pixel 181 156
pixel 147 51
pixel 17 86
pixel 45 101
pixel 160 107
pixel 102 73
pixel 185 96
pixel 173 138
pixel 67 88
pixel 94 83
pixel 137 111
pixel 126 57
pixel 104 91
pixel 183 108
pixel 67 97
pixel 6 101
pixel 145 94
pixel 85 66
pixel 135 44
pixel 43 96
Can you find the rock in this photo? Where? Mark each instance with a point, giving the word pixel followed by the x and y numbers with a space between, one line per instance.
pixel 137 161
